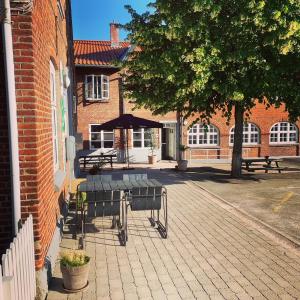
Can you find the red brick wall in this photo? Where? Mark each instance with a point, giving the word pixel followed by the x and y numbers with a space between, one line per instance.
pixel 38 38
pixel 95 112
pixel 89 112
pixel 5 189
pixel 264 119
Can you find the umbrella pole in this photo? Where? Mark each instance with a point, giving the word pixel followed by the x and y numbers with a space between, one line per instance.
pixel 127 148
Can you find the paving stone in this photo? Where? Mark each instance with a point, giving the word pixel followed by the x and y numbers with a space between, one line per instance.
pixel 209 254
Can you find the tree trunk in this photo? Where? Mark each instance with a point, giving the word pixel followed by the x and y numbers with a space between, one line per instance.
pixel 179 135
pixel 236 165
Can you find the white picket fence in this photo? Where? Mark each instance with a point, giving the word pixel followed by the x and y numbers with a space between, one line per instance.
pixel 17 277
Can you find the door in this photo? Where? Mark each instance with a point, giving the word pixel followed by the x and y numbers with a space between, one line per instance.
pixel 168 140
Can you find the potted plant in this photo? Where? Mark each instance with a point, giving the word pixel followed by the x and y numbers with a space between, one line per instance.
pixel 152 158
pixel 74 265
pixel 97 168
pixel 182 163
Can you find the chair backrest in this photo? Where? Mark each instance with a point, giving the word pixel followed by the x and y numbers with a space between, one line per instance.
pixel 103 178
pixel 103 203
pixel 146 198
pixel 130 177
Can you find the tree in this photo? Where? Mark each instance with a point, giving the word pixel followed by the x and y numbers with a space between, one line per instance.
pixel 200 56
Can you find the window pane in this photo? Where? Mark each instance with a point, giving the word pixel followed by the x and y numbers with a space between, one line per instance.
pixel 292 127
pixel 283 126
pixel 273 137
pixel 137 136
pixel 108 136
pixel 98 80
pixel 283 137
pixel 147 134
pixel 137 144
pixel 293 137
pixel 89 87
pixel 96 144
pixel 147 143
pixel 108 144
pixel 96 136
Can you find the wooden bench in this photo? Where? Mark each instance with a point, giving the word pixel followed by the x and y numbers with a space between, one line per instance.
pixel 90 160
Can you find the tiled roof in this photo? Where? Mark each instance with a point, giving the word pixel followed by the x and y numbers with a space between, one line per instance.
pixel 98 53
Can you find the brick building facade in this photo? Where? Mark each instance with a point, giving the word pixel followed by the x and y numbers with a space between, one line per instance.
pixel 43 60
pixel 267 132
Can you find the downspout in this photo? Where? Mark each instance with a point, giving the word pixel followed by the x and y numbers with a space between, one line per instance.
pixel 12 116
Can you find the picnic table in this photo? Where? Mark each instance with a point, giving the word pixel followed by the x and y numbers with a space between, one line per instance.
pixel 85 160
pixel 264 163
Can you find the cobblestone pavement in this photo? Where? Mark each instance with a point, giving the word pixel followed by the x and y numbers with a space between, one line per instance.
pixel 209 254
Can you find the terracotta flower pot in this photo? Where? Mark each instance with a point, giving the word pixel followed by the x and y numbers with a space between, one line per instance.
pixel 182 165
pixel 152 159
pixel 75 278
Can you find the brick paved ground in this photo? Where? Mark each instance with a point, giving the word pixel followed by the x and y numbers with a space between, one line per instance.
pixel 210 254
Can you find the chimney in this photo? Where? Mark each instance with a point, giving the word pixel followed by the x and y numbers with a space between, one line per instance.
pixel 114 35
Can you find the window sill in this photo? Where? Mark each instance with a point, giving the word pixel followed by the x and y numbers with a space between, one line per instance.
pixel 284 145
pixel 204 147
pixel 97 100
pixel 59 178
pixel 248 146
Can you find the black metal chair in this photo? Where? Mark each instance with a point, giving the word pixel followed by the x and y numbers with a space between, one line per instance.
pixel 153 199
pixel 105 204
pixel 103 178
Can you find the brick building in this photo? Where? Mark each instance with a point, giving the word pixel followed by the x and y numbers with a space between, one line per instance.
pixel 99 99
pixel 43 62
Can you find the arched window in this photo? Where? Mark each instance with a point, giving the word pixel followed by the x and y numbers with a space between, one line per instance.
pixel 283 133
pixel 251 134
pixel 203 135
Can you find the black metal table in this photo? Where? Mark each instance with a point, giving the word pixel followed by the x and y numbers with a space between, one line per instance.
pixel 116 185
pixel 129 188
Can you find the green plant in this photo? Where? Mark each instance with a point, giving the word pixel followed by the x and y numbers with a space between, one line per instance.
pixel 183 148
pixel 153 141
pixel 74 258
pixel 81 199
pixel 96 168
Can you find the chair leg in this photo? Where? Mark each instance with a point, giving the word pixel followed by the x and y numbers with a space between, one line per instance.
pixel 165 200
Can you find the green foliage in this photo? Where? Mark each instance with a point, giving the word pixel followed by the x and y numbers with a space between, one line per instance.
pixel 74 258
pixel 199 56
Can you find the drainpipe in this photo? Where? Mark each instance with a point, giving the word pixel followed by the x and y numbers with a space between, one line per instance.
pixel 12 116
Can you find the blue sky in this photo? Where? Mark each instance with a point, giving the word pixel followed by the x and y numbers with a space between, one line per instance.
pixel 91 18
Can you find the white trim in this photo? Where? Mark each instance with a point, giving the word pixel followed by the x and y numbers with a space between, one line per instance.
pixel 104 87
pixel 198 134
pixel 249 133
pixel 142 140
pixel 102 139
pixel 288 132
pixel 53 92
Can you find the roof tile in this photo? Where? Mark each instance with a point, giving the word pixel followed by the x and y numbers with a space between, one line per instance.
pixel 98 53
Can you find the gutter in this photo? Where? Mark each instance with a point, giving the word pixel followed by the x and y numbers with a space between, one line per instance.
pixel 97 66
pixel 12 116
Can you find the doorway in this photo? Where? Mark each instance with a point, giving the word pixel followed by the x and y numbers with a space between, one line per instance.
pixel 168 140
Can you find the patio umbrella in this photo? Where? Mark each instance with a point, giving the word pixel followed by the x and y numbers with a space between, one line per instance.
pixel 128 121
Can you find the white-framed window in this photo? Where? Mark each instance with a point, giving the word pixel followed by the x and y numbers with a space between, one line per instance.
pixel 54 117
pixel 203 135
pixel 141 138
pixel 96 87
pixel 283 133
pixel 251 134
pixel 103 139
